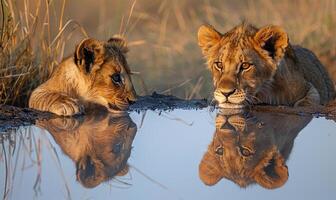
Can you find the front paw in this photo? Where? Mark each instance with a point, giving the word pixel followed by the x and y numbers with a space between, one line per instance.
pixel 303 103
pixel 60 124
pixel 67 107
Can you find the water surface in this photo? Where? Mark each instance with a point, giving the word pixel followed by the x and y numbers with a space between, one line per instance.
pixel 171 155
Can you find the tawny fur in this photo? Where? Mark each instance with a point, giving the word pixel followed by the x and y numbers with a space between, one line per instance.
pixel 99 145
pixel 260 66
pixel 254 149
pixel 86 78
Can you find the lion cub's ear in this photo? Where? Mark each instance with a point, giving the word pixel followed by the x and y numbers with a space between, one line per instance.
pixel 123 171
pixel 119 42
pixel 89 53
pixel 274 174
pixel 273 40
pixel 208 37
pixel 209 169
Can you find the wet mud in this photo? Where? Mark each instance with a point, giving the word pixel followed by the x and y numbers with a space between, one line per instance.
pixel 12 117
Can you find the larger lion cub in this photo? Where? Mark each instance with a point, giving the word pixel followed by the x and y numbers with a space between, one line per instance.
pixel 259 66
pixel 97 73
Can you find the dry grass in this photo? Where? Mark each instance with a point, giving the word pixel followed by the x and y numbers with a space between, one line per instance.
pixel 30 47
pixel 162 37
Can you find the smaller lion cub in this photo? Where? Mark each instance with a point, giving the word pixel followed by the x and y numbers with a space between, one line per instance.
pixel 253 65
pixel 97 73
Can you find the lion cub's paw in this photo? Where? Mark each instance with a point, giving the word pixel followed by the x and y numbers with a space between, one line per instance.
pixel 67 107
pixel 312 98
pixel 303 103
pixel 66 124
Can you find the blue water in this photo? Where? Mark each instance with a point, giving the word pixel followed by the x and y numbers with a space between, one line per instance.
pixel 164 157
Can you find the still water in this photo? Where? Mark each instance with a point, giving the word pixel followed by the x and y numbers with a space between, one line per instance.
pixel 193 154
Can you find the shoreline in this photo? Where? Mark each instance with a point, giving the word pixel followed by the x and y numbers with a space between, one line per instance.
pixel 13 117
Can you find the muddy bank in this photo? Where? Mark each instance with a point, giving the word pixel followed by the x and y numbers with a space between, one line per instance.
pixel 328 111
pixel 166 102
pixel 11 117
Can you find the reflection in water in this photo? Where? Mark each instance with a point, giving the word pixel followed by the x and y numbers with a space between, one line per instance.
pixel 251 148
pixel 99 145
pixel 246 149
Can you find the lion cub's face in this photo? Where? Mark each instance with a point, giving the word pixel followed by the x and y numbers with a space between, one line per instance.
pixel 108 80
pixel 99 144
pixel 251 148
pixel 243 61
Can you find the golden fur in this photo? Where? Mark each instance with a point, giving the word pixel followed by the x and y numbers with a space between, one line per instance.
pixel 251 148
pixel 98 73
pixel 260 66
pixel 99 145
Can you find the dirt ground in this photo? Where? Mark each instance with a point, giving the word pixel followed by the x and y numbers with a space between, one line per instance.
pixel 12 117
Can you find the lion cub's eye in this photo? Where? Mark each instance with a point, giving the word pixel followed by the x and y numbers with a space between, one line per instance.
pixel 116 78
pixel 218 65
pixel 117 148
pixel 219 150
pixel 245 65
pixel 245 151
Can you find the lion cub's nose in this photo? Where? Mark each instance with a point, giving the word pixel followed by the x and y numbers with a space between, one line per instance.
pixel 227 92
pixel 131 99
pixel 130 102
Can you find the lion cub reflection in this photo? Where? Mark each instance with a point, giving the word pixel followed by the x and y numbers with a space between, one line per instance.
pixel 251 148
pixel 99 145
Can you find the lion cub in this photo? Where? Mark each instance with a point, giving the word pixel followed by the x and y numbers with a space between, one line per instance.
pixel 251 147
pixel 260 66
pixel 98 143
pixel 97 73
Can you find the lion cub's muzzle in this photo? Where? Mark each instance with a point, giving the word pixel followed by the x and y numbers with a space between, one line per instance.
pixel 132 98
pixel 235 122
pixel 122 104
pixel 230 98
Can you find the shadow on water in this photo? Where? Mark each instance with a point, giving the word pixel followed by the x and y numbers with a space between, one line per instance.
pixel 251 147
